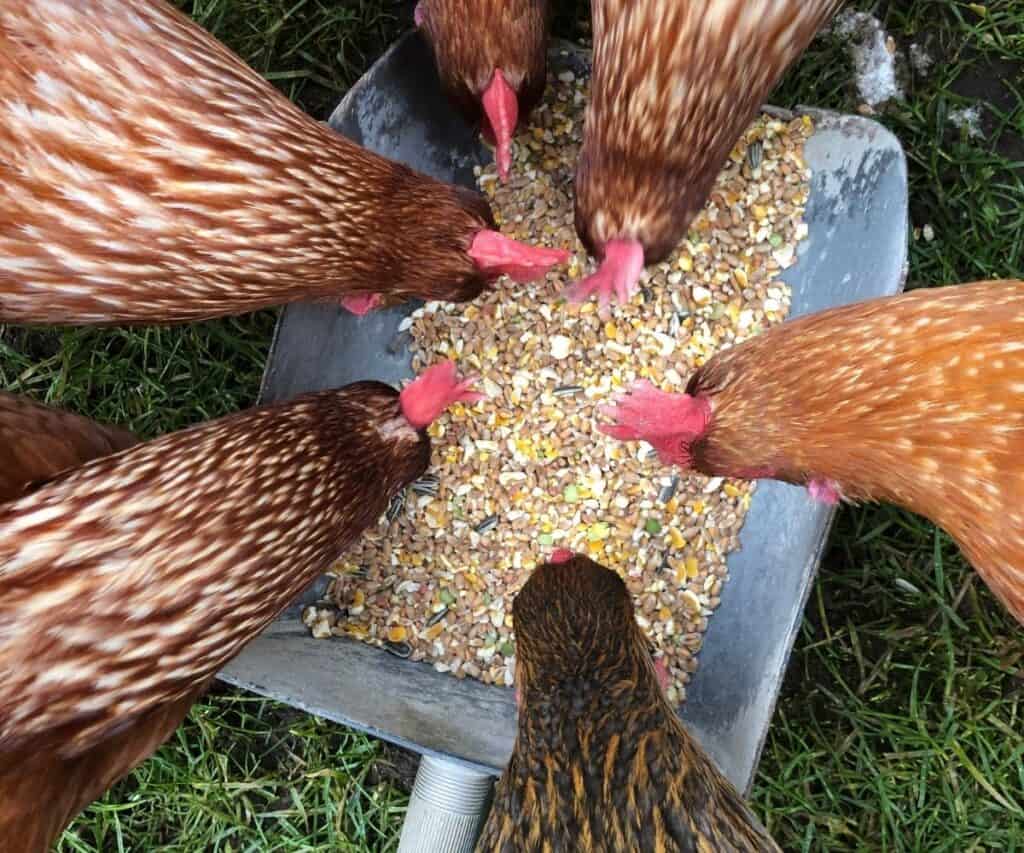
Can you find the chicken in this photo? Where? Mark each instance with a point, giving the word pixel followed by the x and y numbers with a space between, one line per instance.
pixel 492 60
pixel 127 583
pixel 674 86
pixel 917 400
pixel 149 175
pixel 601 762
pixel 38 441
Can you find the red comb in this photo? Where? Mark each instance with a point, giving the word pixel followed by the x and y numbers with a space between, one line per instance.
pixel 618 275
pixel 362 303
pixel 561 555
pixel 668 422
pixel 495 254
pixel 502 110
pixel 424 399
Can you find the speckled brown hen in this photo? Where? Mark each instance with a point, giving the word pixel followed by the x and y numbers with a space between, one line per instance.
pixel 492 60
pixel 601 762
pixel 126 584
pixel 38 441
pixel 916 399
pixel 675 83
pixel 148 175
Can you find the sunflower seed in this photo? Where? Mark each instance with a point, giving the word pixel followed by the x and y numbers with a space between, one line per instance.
pixel 399 650
pixel 395 507
pixel 668 490
pixel 487 525
pixel 755 154
pixel 437 617
pixel 568 390
pixel 428 484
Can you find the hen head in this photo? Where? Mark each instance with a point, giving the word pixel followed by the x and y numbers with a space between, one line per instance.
pixel 575 629
pixel 492 61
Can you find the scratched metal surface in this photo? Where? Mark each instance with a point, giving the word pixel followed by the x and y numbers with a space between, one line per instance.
pixel 856 249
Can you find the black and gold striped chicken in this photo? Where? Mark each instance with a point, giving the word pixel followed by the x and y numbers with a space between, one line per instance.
pixel 601 761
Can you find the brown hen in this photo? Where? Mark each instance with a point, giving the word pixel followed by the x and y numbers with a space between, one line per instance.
pixel 492 60
pixel 149 175
pixel 601 762
pixel 127 583
pixel 675 83
pixel 38 441
pixel 915 399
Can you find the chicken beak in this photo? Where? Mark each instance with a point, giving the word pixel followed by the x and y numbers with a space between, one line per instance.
pixel 502 110
pixel 495 254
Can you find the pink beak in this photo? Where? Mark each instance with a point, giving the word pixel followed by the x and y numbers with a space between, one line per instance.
pixel 502 110
pixel 495 254
pixel 418 14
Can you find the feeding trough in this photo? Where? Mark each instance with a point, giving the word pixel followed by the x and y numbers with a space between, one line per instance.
pixel 856 249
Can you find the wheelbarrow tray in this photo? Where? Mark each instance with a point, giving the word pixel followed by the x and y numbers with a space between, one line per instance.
pixel 856 249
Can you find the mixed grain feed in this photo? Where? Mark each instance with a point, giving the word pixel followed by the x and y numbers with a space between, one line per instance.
pixel 526 470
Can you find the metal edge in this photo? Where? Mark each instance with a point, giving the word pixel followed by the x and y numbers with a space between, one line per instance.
pixel 366 78
pixel 810 575
pixel 365 728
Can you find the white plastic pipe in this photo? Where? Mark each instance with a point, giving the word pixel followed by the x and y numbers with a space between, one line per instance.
pixel 446 809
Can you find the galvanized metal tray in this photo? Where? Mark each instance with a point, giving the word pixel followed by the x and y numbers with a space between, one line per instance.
pixel 856 249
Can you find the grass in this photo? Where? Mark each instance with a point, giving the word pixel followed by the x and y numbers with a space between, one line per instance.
pixel 244 773
pixel 899 727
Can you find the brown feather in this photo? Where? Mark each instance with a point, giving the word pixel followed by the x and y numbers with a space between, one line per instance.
pixel 917 400
pixel 37 442
pixel 471 38
pixel 601 762
pixel 149 175
pixel 127 583
pixel 40 793
pixel 674 86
